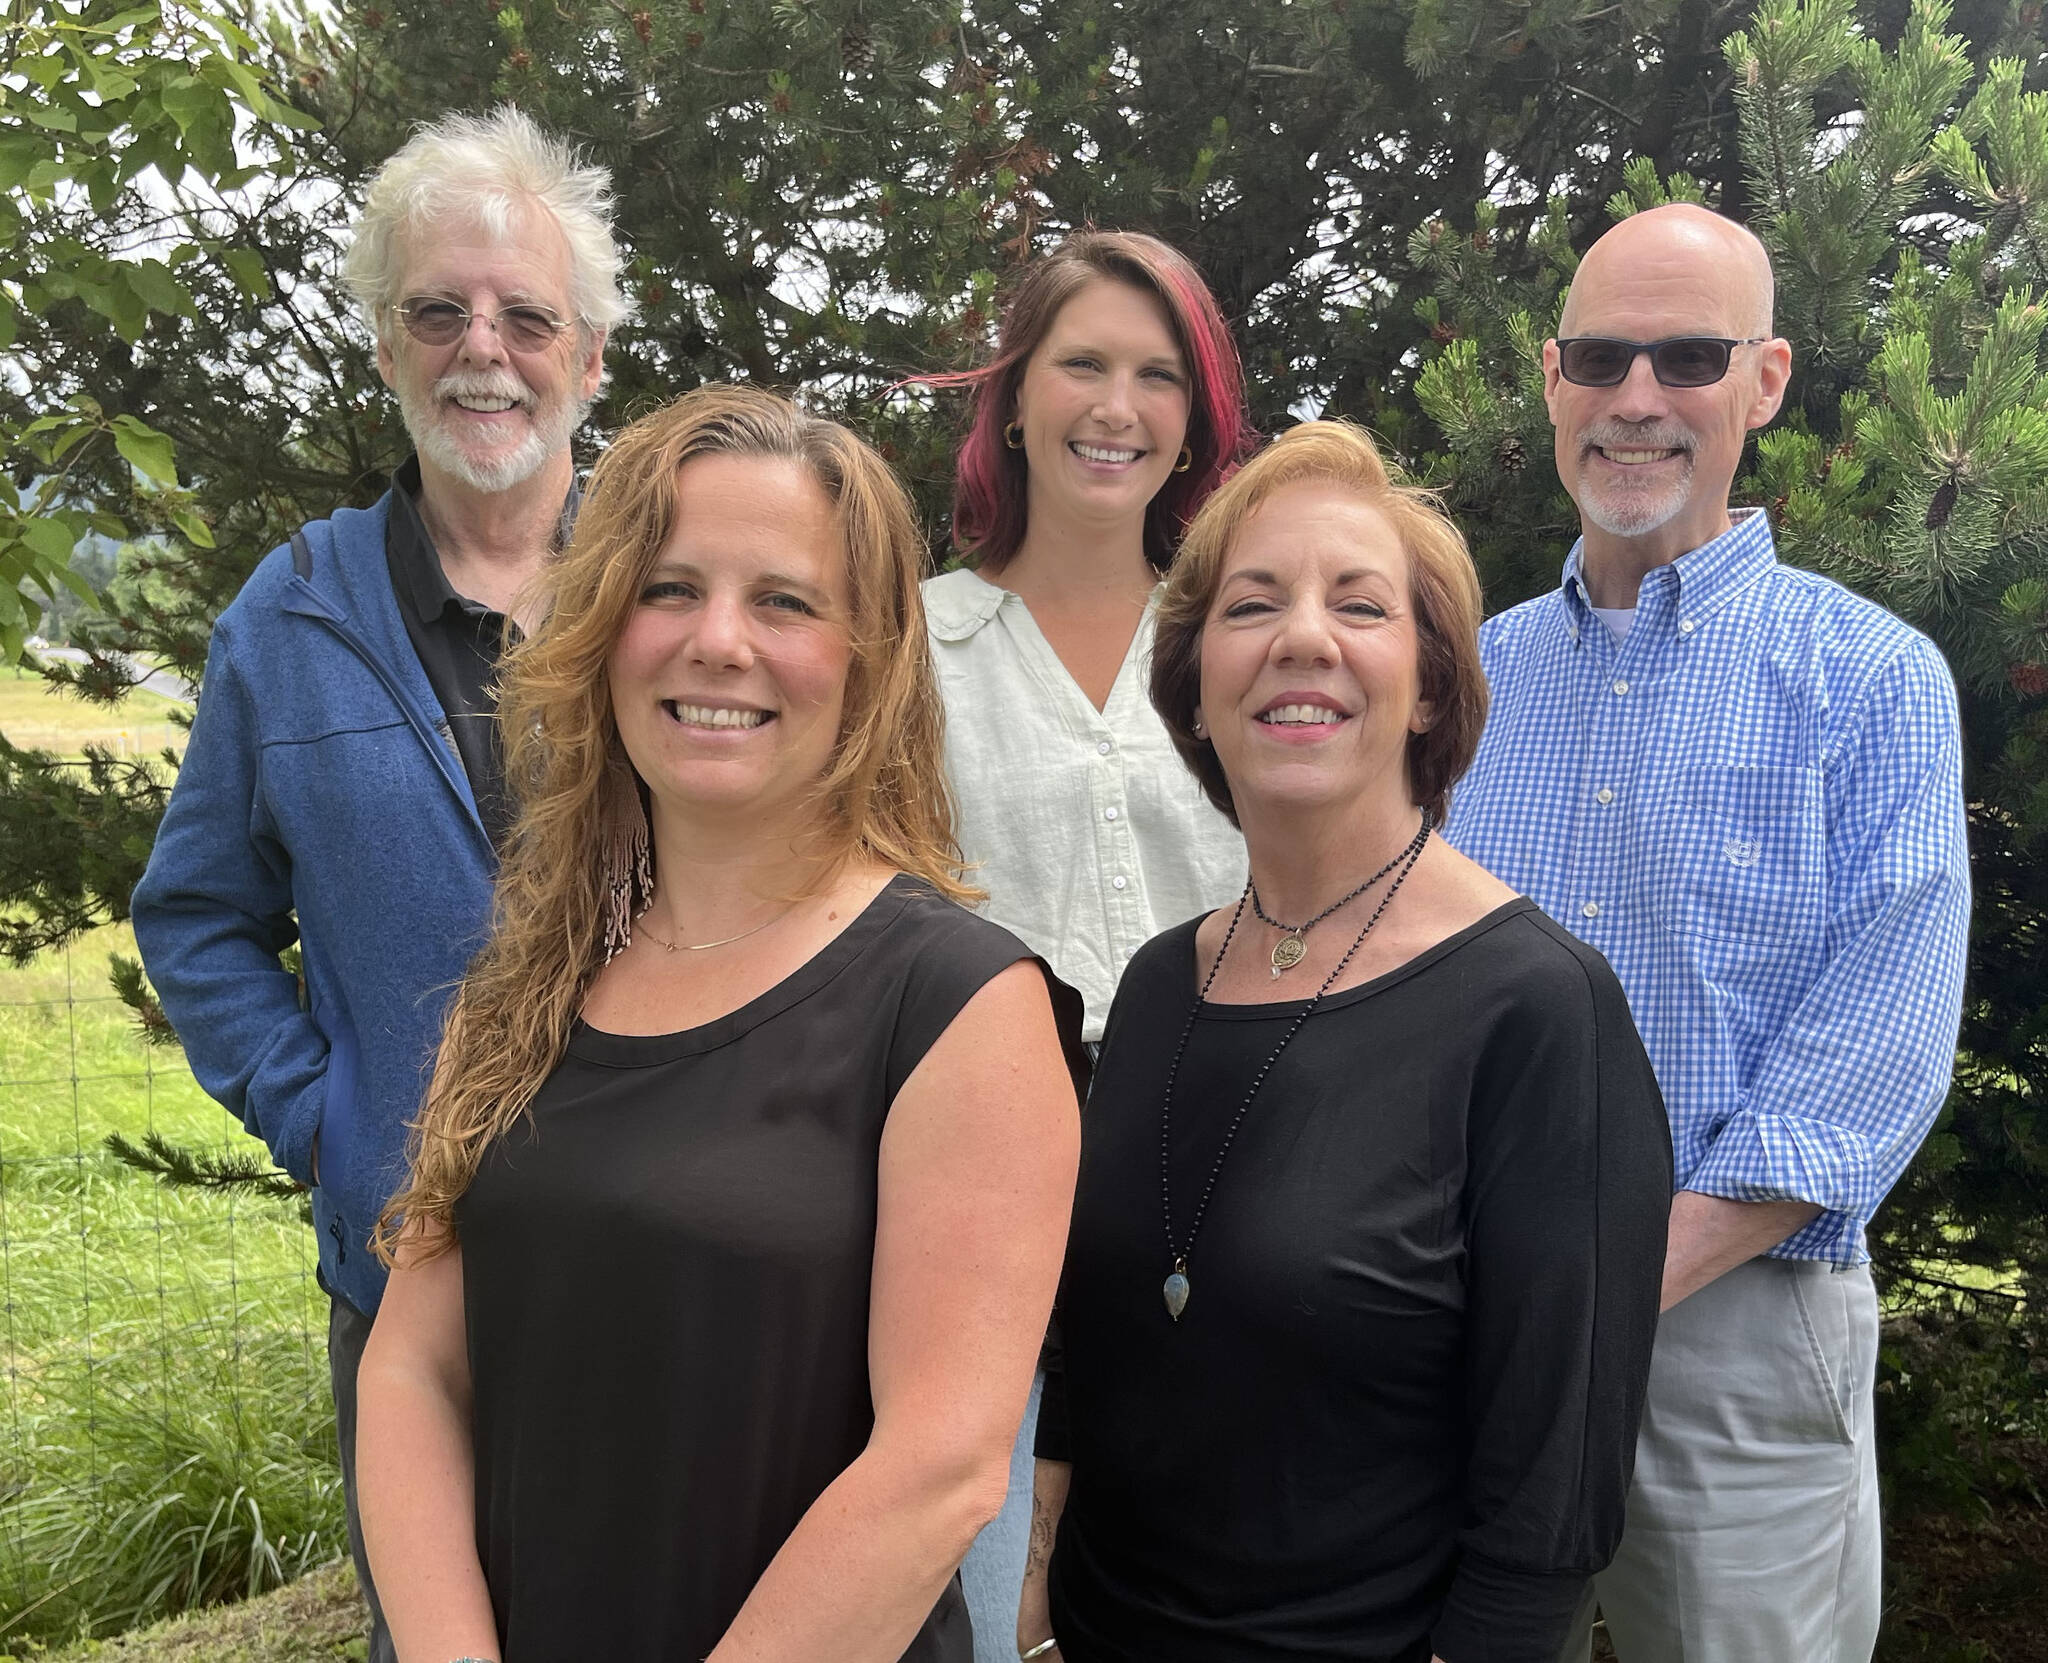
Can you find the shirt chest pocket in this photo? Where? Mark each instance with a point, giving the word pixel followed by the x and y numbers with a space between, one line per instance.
pixel 1738 854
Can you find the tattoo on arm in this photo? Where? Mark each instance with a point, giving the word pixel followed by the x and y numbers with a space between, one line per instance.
pixel 1045 1522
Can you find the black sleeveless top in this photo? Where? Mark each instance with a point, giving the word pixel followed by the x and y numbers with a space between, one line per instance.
pixel 666 1278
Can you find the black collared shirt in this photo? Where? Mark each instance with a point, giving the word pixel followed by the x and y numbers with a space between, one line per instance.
pixel 459 642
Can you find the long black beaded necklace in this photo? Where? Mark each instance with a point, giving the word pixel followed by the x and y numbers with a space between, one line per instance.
pixel 1291 949
pixel 1176 1288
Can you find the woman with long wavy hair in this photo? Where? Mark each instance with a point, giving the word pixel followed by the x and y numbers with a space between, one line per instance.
pixel 740 1189
pixel 1112 408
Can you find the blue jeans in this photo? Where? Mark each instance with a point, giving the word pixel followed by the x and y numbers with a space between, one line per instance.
pixel 992 1574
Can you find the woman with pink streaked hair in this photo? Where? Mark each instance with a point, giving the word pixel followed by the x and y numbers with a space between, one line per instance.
pixel 1113 407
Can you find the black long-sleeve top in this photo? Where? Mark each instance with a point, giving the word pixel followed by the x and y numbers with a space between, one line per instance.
pixel 1398 1414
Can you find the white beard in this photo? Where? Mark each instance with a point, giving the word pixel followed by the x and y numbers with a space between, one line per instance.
pixel 550 427
pixel 1631 512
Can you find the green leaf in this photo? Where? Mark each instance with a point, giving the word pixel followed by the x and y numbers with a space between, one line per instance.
pixel 153 284
pixel 50 541
pixel 188 99
pixel 110 83
pixel 45 69
pixel 247 265
pixel 60 121
pixel 74 434
pixel 129 314
pixel 232 33
pixel 289 115
pixel 232 78
pixel 118 304
pixel 19 153
pixel 75 581
pixel 133 17
pixel 147 450
pixel 195 529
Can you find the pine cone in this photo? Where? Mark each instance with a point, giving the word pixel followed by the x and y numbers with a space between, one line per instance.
pixel 2030 681
pixel 857 48
pixel 1944 503
pixel 1513 455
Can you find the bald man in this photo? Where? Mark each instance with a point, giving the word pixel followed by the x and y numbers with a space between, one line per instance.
pixel 1743 784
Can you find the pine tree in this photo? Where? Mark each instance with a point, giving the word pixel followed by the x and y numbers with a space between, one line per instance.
pixel 824 194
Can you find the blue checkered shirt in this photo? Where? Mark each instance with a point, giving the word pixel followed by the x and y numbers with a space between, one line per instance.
pixel 1752 804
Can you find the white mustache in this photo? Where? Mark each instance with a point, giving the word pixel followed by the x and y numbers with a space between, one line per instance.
pixel 1624 436
pixel 482 384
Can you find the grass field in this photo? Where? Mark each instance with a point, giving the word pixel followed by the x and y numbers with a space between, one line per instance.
pixel 37 717
pixel 319 1619
pixel 164 1433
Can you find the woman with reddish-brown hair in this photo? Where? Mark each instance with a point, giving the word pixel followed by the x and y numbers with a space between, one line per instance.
pixel 1112 409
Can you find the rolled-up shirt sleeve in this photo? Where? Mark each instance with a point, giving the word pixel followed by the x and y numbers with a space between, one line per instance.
pixel 1566 1205
pixel 1853 1081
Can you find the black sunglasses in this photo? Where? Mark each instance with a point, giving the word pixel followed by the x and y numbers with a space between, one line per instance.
pixel 1676 361
pixel 443 322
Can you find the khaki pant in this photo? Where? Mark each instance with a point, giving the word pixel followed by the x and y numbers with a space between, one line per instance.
pixel 1752 1530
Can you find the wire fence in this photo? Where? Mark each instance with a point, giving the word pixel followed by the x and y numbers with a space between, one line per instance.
pixel 168 1437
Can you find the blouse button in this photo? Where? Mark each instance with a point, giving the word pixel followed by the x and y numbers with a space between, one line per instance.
pixel 1109 813
pixel 1621 687
pixel 1102 747
pixel 1118 882
pixel 1604 795
pixel 1591 909
pixel 1685 626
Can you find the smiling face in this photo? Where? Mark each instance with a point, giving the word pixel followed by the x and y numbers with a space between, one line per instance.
pixel 477 411
pixel 728 681
pixel 1103 402
pixel 1650 466
pixel 1310 672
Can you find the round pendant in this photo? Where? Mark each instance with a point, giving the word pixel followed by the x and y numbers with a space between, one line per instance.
pixel 1288 951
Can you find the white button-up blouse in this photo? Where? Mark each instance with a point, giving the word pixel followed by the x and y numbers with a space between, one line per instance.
pixel 1084 826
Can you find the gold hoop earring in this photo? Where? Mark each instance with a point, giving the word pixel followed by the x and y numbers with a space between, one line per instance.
pixel 1013 435
pixel 1187 460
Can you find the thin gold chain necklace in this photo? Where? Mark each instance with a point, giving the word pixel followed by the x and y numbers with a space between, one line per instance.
pixel 706 946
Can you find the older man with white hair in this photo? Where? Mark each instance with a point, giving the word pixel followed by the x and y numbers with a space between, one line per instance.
pixel 344 783
pixel 1743 784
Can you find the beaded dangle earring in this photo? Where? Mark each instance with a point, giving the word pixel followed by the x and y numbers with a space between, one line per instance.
pixel 628 859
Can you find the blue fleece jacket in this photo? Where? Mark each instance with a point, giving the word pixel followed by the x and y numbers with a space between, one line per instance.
pixel 320 782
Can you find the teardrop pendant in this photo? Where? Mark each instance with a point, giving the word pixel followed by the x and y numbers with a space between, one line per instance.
pixel 1176 1291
